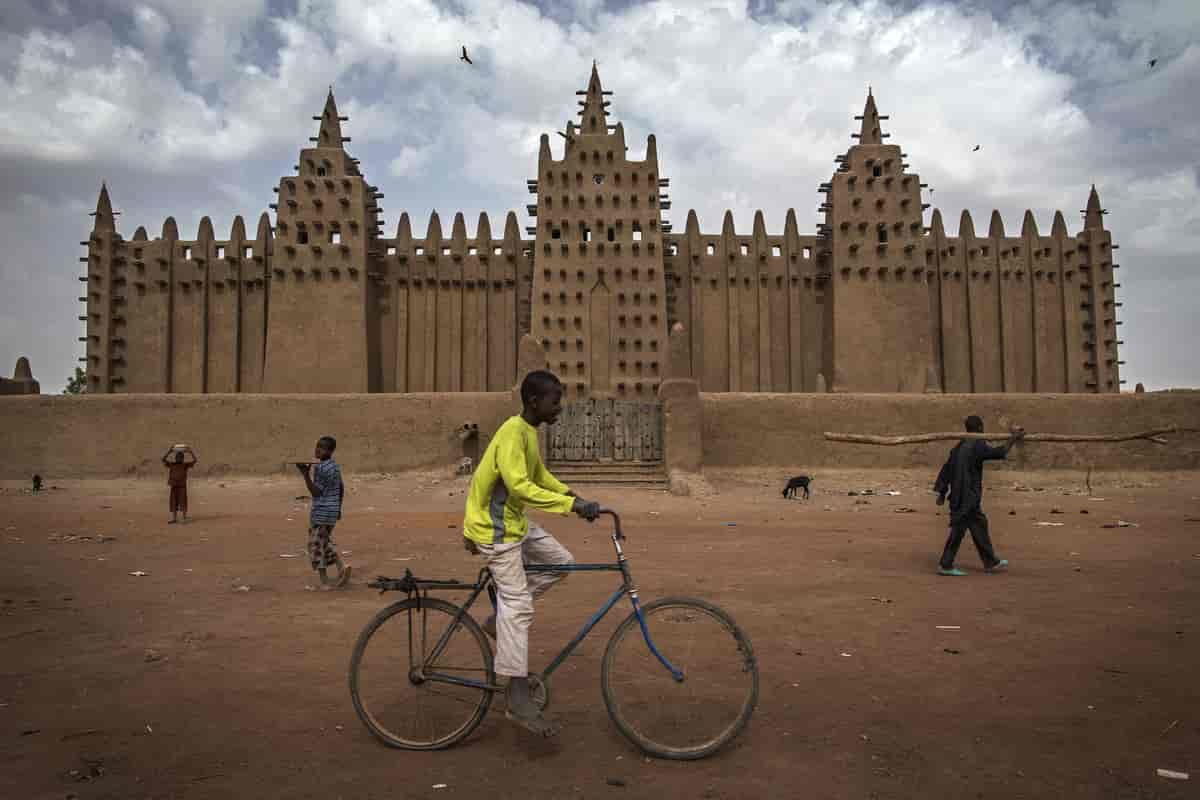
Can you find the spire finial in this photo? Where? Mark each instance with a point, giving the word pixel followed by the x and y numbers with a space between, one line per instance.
pixel 1093 216
pixel 870 133
pixel 330 132
pixel 105 218
pixel 594 115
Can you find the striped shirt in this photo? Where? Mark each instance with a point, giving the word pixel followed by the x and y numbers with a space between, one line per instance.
pixel 327 505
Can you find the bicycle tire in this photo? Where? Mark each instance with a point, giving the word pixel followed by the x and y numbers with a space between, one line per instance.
pixel 369 719
pixel 612 700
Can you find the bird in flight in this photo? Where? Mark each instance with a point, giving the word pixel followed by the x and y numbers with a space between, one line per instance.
pixel 464 56
pixel 976 148
pixel 1153 61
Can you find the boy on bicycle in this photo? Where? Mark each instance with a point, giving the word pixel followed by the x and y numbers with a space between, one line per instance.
pixel 511 476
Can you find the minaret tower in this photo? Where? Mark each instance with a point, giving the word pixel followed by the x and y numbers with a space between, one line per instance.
pixel 599 299
pixel 321 296
pixel 1098 301
pixel 879 331
pixel 103 295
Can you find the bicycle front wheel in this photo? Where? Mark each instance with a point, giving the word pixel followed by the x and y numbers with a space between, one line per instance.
pixel 401 685
pixel 687 719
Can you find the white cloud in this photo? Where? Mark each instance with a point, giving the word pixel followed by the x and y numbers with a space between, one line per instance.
pixel 411 161
pixel 214 32
pixel 152 27
pixel 1172 218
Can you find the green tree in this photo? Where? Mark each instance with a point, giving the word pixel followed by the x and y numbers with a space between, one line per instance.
pixel 77 384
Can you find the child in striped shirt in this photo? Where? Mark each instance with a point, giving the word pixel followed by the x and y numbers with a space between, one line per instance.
pixel 324 482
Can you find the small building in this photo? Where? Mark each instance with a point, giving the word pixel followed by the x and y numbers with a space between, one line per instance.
pixel 22 381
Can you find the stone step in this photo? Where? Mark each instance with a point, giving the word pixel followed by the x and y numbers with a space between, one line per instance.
pixel 651 474
pixel 608 466
pixel 615 473
pixel 616 480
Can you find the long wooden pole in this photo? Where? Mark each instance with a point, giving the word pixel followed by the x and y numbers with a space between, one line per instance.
pixel 1153 435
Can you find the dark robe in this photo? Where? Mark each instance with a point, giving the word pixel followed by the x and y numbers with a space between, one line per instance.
pixel 962 476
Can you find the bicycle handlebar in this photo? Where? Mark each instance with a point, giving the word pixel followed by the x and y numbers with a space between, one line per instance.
pixel 617 534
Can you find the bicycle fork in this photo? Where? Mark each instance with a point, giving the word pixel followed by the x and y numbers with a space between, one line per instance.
pixel 631 588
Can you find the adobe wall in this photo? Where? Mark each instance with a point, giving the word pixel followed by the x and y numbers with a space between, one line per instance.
pixel 256 434
pixel 451 309
pixel 1049 337
pixel 149 307
pixel 109 435
pixel 881 330
pixel 780 430
pixel 319 297
pixel 758 297
pixel 1025 314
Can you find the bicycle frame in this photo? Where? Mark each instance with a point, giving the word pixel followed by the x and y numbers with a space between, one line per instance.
pixel 485 581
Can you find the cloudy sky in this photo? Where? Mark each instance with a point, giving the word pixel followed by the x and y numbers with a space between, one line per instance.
pixel 190 108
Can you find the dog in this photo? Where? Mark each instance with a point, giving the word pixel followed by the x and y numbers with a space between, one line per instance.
pixel 798 482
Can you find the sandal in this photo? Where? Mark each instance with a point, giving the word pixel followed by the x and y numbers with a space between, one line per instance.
pixel 538 725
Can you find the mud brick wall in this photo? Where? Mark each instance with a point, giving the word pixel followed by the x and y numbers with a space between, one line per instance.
pixel 787 430
pixel 113 435
pixel 118 434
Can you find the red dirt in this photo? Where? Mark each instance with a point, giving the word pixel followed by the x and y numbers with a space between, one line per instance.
pixel 1074 674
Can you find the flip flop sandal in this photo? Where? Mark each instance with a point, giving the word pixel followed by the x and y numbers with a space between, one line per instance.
pixel 538 725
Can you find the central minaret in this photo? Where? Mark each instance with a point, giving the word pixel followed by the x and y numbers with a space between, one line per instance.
pixel 320 304
pixel 878 327
pixel 599 298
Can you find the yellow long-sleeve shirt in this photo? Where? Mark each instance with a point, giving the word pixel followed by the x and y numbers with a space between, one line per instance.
pixel 511 476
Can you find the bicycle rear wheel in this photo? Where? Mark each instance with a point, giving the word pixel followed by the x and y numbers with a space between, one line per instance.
pixel 389 686
pixel 687 719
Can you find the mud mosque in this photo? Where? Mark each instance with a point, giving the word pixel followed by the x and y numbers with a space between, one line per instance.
pixel 322 301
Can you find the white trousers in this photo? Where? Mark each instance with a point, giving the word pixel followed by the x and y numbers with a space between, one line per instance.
pixel 516 591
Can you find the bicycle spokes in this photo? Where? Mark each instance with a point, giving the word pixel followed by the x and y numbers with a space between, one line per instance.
pixel 686 718
pixel 415 675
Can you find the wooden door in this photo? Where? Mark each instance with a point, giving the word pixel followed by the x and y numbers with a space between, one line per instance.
pixel 600 429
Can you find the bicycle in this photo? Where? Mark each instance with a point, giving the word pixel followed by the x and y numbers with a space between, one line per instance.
pixel 687 694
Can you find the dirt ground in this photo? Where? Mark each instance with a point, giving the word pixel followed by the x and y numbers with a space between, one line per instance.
pixel 1074 675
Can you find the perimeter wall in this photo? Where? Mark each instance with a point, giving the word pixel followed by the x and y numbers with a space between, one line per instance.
pixel 126 434
pixel 786 430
